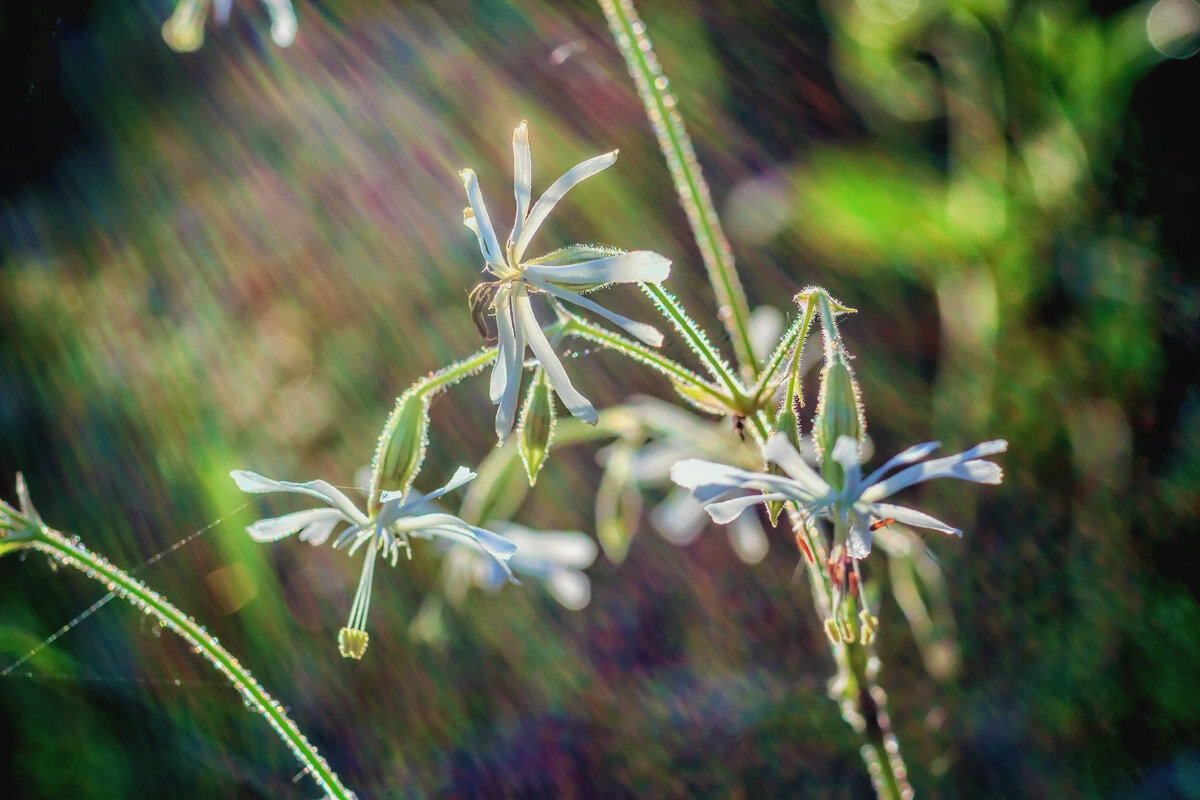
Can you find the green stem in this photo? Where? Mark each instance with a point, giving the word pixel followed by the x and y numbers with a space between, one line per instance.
pixel 449 375
pixel 634 44
pixel 855 689
pixel 695 337
pixel 792 341
pixel 678 373
pixel 70 552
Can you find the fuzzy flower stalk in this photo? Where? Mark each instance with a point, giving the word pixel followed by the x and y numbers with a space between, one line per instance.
pixel 398 519
pixel 566 275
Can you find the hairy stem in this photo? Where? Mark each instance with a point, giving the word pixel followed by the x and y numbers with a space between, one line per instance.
pixel 630 36
pixel 32 533
pixel 641 353
pixel 695 338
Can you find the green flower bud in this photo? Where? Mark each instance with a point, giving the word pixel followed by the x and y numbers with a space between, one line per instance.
pixel 839 413
pixel 535 429
pixel 618 502
pixel 401 447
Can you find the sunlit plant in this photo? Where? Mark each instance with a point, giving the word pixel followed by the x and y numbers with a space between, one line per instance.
pixel 529 306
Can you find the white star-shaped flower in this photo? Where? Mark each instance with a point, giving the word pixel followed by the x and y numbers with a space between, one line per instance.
pixel 857 506
pixel 565 274
pixel 398 519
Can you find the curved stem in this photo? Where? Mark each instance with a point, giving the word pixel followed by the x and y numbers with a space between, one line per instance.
pixel 792 341
pixel 630 36
pixel 639 352
pixel 72 553
pixel 695 338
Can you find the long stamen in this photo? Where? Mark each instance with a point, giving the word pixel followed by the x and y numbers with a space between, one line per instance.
pixel 352 639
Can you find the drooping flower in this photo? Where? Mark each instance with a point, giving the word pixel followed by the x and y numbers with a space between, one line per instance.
pixel 564 274
pixel 184 31
pixel 399 518
pixel 556 558
pixel 673 435
pixel 857 507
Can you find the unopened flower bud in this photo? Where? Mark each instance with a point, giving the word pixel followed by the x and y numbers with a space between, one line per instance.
pixel 401 447
pixel 535 429
pixel 618 502
pixel 839 413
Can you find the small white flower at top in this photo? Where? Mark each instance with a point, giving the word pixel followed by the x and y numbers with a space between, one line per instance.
pixel 184 31
pixel 857 507
pixel 398 519
pixel 564 274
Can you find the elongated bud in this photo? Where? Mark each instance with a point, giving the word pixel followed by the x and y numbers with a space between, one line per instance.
pixel 535 429
pixel 839 413
pixel 618 503
pixel 401 447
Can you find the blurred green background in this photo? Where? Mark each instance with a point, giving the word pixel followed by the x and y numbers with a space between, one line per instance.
pixel 238 258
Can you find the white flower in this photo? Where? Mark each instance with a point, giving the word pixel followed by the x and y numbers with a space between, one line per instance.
pixel 675 435
pixel 564 274
pixel 556 558
pixel 857 506
pixel 398 519
pixel 184 31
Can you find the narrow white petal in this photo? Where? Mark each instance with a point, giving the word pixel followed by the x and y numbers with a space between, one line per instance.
pixel 858 541
pixel 912 454
pixel 966 466
pixel 729 510
pixel 708 480
pixel 639 266
pixel 311 521
pixel 283 21
pixel 522 177
pixel 748 539
pixel 546 203
pixel 254 483
pixel 560 548
pixel 647 333
pixel 679 519
pixel 461 477
pixel 483 223
pixel 780 451
pixel 846 453
pixel 430 526
pixel 910 516
pixel 506 353
pixel 576 403
pixel 572 590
